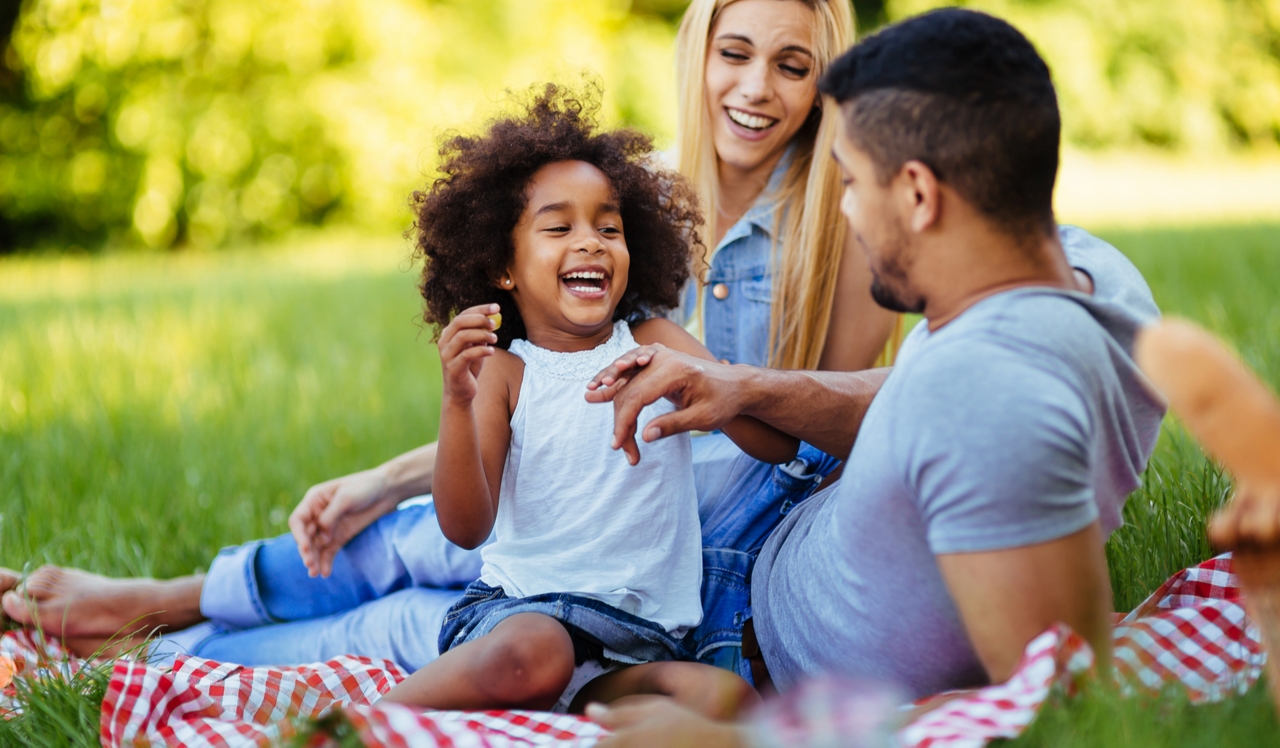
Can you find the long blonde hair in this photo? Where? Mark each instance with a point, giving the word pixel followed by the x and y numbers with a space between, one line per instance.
pixel 808 225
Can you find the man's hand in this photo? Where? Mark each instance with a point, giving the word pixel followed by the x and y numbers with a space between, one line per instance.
pixel 705 393
pixel 333 512
pixel 643 721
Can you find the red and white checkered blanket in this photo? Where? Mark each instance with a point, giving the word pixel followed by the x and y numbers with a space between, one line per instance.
pixel 1192 631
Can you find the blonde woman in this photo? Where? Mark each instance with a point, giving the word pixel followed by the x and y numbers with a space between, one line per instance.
pixel 783 286
pixel 786 286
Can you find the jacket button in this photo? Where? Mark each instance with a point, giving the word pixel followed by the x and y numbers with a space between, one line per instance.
pixel 720 291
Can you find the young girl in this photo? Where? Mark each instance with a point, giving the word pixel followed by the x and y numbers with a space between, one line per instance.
pixel 577 242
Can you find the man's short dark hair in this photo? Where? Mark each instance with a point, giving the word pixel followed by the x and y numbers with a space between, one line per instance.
pixel 967 95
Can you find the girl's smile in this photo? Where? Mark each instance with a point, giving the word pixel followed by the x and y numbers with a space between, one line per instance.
pixel 570 265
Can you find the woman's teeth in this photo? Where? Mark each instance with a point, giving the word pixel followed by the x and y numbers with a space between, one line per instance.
pixel 750 121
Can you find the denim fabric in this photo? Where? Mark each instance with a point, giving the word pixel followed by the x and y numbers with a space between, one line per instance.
pixel 400 627
pixel 265 582
pixel 736 328
pixel 625 638
pixel 732 537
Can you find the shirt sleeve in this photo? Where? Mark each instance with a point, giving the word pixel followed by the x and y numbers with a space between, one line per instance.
pixel 1005 460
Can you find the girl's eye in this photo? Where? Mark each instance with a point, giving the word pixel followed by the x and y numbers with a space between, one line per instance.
pixel 794 70
pixel 731 54
pixel 610 230
pixel 559 229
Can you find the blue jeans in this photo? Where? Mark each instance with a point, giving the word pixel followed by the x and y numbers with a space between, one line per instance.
pixel 393 583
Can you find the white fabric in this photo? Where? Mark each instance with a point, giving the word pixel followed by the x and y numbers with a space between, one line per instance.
pixel 574 517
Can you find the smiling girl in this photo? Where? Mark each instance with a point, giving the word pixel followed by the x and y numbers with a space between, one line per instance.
pixel 596 565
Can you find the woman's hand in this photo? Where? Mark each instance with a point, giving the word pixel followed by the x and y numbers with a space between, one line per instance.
pixel 464 345
pixel 334 512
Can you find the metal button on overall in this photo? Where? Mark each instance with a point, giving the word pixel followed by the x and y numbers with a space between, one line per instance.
pixel 720 291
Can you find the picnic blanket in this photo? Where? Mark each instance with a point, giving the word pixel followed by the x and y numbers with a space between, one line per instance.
pixel 1193 631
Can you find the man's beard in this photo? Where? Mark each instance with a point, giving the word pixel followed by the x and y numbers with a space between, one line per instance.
pixel 881 292
pixel 887 298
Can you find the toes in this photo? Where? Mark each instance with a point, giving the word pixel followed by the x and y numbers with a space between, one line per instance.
pixel 9 579
pixel 15 607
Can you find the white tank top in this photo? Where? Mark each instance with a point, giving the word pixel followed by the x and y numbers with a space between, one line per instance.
pixel 574 517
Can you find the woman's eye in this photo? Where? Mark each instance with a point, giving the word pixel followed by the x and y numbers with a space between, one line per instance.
pixel 734 55
pixel 793 70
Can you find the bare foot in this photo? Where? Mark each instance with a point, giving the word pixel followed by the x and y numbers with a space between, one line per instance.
pixel 73 603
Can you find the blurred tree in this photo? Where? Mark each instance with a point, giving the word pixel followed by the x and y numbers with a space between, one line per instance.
pixel 201 122
pixel 1188 75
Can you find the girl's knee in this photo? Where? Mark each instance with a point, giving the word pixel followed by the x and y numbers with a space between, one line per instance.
pixel 529 662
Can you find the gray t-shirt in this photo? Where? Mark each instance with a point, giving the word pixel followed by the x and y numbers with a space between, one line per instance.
pixel 1021 421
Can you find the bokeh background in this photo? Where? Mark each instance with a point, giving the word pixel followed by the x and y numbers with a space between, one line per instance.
pixel 208 123
pixel 207 303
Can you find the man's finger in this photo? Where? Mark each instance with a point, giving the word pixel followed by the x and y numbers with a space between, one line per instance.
pixel 675 422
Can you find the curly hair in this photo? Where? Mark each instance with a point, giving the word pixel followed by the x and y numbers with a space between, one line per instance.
pixel 466 216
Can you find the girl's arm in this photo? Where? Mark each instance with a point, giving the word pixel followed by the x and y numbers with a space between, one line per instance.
pixel 475 427
pixel 761 441
pixel 859 326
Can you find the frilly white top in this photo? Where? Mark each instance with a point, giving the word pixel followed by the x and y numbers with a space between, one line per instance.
pixel 575 517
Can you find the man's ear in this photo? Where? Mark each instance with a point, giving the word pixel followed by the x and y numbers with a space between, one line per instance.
pixel 921 197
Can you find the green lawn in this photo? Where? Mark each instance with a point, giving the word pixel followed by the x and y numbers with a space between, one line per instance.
pixel 154 408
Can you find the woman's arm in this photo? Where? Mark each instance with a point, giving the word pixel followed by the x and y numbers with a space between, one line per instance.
pixel 859 326
pixel 475 429
pixel 757 439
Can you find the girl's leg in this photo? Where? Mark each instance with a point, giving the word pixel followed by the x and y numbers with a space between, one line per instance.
pixel 524 663
pixel 710 691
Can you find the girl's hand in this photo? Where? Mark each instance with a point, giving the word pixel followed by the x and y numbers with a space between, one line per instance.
pixel 464 345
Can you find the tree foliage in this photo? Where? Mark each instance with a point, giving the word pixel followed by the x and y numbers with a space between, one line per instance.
pixel 201 122
pixel 1182 75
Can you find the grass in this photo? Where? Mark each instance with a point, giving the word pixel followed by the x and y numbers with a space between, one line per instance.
pixel 154 408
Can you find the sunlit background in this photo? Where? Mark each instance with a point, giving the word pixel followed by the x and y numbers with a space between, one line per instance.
pixel 177 123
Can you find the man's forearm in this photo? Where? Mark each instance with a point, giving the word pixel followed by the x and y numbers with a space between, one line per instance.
pixel 824 408
pixel 411 474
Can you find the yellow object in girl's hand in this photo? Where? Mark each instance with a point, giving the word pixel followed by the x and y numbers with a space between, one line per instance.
pixel 7 670
pixel 497 319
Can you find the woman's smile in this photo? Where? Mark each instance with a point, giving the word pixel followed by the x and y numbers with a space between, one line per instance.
pixel 749 126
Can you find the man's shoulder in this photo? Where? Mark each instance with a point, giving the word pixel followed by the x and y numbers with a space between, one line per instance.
pixel 1013 336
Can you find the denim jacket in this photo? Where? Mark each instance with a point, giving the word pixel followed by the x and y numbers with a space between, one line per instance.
pixel 736 327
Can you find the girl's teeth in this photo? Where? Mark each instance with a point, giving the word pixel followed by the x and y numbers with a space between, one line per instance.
pixel 749 120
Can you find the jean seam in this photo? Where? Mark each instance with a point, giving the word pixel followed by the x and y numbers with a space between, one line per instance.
pixel 255 594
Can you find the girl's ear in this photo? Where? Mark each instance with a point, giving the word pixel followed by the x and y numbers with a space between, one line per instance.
pixel 505 282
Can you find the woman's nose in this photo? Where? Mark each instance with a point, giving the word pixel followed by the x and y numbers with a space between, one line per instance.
pixel 754 85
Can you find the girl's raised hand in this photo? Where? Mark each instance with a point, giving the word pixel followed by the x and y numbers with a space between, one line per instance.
pixel 464 345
